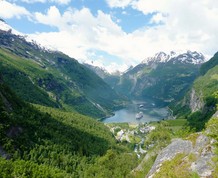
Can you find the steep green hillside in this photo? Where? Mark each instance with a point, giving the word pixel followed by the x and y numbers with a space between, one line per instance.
pixel 199 104
pixel 206 88
pixel 209 64
pixel 47 142
pixel 171 81
pixel 53 79
pixel 161 82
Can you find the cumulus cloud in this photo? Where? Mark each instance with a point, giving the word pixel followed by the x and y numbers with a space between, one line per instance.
pixel 181 24
pixel 10 10
pixel 174 25
pixel 79 31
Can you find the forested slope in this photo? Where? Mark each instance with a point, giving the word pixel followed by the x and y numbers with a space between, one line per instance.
pixel 37 140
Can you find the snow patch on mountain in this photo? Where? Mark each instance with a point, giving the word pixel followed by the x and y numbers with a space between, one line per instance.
pixel 7 28
pixel 188 57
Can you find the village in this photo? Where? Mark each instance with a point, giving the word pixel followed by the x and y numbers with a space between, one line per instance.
pixel 132 133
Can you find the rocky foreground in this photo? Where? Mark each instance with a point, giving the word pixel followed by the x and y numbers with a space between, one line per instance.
pixel 197 153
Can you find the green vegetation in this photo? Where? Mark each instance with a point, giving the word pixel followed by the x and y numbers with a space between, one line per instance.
pixel 172 81
pixel 206 88
pixel 159 137
pixel 177 167
pixel 52 143
pixel 164 83
pixel 21 168
pixel 207 85
pixel 146 166
pixel 177 122
pixel 209 64
pixel 212 126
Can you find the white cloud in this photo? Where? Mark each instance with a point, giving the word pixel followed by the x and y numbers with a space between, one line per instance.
pixel 46 1
pixel 158 18
pixel 9 10
pixel 80 32
pixel 61 1
pixel 119 3
pixel 185 24
pixel 112 67
pixel 181 25
pixel 150 6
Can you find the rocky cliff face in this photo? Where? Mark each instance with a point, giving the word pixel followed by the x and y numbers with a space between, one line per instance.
pixel 196 102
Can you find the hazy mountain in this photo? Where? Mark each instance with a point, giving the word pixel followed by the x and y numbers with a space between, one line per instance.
pixel 101 72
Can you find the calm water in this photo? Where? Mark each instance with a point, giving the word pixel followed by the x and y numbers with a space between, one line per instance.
pixel 128 114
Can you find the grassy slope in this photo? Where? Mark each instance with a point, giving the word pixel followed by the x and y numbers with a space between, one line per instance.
pixel 208 83
pixel 209 64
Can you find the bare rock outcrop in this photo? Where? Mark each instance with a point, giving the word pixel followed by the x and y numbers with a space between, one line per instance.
pixel 196 102
pixel 177 146
pixel 202 149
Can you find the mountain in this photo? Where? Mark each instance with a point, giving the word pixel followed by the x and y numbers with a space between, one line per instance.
pixel 51 78
pixel 185 58
pixel 163 78
pixel 209 64
pixel 199 103
pixel 110 78
pixel 101 72
pixel 194 155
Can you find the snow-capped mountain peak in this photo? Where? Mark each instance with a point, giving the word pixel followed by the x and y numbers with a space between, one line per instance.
pixel 191 58
pixel 160 57
pixel 188 57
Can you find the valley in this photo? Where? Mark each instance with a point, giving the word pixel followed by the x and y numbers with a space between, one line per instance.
pixel 61 118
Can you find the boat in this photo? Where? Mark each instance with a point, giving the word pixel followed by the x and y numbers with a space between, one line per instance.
pixel 139 115
pixel 141 106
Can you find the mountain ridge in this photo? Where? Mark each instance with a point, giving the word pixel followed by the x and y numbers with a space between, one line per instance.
pixel 54 75
pixel 184 57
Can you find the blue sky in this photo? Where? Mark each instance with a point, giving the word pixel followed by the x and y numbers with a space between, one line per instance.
pixel 123 16
pixel 116 33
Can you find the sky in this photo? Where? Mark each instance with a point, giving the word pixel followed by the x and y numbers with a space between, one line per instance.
pixel 116 34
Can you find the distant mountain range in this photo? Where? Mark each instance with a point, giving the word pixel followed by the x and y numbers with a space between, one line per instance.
pixel 66 83
pixel 185 57
pixel 163 77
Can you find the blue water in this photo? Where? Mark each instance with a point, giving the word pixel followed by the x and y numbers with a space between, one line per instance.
pixel 128 114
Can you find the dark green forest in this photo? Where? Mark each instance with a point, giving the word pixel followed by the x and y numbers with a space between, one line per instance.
pixel 49 142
